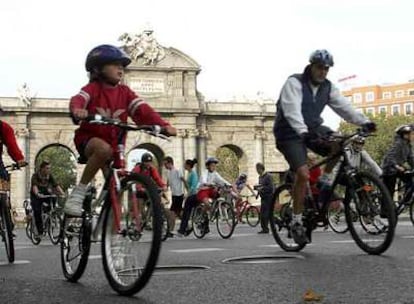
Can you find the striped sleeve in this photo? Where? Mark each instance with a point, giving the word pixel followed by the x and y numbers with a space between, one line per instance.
pixel 82 99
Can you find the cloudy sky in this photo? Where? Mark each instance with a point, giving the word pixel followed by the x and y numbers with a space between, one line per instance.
pixel 243 46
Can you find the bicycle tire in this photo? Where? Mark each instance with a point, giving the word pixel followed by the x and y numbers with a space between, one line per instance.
pixel 252 216
pixel 165 225
pixel 360 192
pixel 412 212
pixel 281 217
pixel 225 215
pixel 198 222
pixel 69 230
pixel 7 230
pixel 54 228
pixel 137 277
pixel 36 239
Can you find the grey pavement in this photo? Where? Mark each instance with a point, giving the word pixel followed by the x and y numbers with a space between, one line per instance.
pixel 332 266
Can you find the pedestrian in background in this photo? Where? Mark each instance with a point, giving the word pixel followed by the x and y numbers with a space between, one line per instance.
pixel 265 189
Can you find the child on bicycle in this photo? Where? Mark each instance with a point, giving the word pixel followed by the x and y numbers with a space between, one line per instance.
pixel 399 158
pixel 105 95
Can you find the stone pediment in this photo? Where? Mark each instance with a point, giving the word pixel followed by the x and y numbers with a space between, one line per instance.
pixel 174 59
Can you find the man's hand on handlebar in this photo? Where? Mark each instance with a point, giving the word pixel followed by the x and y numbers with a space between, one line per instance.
pixel 80 114
pixel 169 131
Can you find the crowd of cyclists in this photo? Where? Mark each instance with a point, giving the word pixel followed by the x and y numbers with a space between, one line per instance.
pixel 298 129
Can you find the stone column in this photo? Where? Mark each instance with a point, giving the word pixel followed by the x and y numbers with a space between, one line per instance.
pixel 21 178
pixel 190 144
pixel 179 148
pixel 202 148
pixel 259 137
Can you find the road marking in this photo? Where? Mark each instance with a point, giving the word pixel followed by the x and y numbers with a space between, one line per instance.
pixel 408 237
pixel 352 241
pixel 95 257
pixel 196 250
pixel 17 262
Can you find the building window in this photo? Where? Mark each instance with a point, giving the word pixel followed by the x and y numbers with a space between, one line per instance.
pixel 382 110
pixel 410 92
pixel 357 97
pixel 408 108
pixel 395 109
pixel 370 111
pixel 386 95
pixel 369 96
pixel 399 94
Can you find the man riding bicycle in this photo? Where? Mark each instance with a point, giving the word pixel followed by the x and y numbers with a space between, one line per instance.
pixel 42 186
pixel 298 125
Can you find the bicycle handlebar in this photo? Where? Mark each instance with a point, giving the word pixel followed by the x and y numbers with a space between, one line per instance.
pixel 15 166
pixel 153 130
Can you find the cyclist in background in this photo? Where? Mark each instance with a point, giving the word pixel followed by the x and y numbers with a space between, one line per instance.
pixel 399 158
pixel 43 184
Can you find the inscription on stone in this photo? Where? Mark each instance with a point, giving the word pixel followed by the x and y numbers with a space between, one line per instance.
pixel 147 85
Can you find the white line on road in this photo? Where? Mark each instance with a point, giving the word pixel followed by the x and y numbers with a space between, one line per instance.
pixel 17 262
pixel 196 250
pixel 95 257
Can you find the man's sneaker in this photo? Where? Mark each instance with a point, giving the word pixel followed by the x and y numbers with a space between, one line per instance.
pixel 73 205
pixel 299 234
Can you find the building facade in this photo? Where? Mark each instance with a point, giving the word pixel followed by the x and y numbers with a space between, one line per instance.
pixel 393 99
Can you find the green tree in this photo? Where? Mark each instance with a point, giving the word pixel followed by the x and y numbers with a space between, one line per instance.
pixel 228 167
pixel 62 162
pixel 379 144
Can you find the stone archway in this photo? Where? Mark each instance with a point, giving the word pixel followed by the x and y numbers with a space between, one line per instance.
pixel 63 163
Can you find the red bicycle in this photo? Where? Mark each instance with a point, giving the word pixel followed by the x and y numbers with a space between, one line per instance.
pixel 243 208
pixel 125 218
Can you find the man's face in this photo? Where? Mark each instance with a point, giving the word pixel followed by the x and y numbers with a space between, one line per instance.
pixel 167 165
pixel 319 72
pixel 46 170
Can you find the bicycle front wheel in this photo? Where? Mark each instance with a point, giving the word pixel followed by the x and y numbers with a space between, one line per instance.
pixel 6 230
pixel 54 227
pixel 225 220
pixel 75 246
pixel 130 261
pixel 368 200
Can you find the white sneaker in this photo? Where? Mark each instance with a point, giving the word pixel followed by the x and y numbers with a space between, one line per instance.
pixel 73 205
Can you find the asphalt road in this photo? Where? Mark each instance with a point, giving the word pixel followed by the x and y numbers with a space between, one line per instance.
pixel 333 266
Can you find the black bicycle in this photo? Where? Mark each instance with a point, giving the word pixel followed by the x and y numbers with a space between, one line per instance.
pixel 366 200
pixel 6 223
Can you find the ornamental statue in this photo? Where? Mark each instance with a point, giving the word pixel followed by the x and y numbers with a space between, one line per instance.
pixel 143 45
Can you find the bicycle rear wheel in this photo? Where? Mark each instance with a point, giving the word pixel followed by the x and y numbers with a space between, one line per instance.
pixel 252 216
pixel 225 220
pixel 281 217
pixel 368 198
pixel 129 262
pixel 6 230
pixel 75 244
pixel 199 220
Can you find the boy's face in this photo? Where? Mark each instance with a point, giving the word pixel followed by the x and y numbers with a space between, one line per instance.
pixel 113 72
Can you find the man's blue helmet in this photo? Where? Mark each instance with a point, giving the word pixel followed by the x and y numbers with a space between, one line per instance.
pixel 322 57
pixel 104 54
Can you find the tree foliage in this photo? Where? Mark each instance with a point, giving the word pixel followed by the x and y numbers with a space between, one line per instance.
pixel 228 167
pixel 379 144
pixel 62 163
